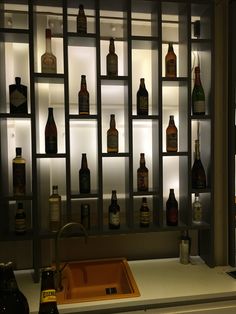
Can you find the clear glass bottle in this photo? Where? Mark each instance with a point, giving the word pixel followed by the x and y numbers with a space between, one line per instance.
pixel 83 97
pixel 171 136
pixel 48 60
pixel 172 209
pixel 142 99
pixel 20 219
pixel 54 209
pixel 197 210
pixel 18 97
pixel 142 174
pixel 114 212
pixel 112 60
pixel 144 214
pixel 198 173
pixel 81 21
pixel 19 173
pixel 198 95
pixel 84 175
pixel 112 136
pixel 170 62
pixel 50 134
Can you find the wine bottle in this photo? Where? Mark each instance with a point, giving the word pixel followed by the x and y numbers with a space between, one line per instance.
pixel 171 136
pixel 83 97
pixel 85 215
pixel 172 209
pixel 197 210
pixel 198 172
pixel 112 60
pixel 142 99
pixel 81 21
pixel 112 136
pixel 84 175
pixel 170 62
pixel 19 177
pixel 144 214
pixel 198 95
pixel 114 212
pixel 142 174
pixel 18 97
pixel 20 220
pixel 50 134
pixel 54 209
pixel 12 300
pixel 48 300
pixel 48 60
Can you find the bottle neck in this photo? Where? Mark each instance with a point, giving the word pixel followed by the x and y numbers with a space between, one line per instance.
pixel 84 164
pixel 112 46
pixel 50 114
pixel 142 84
pixel 171 121
pixel 54 190
pixel 112 122
pixel 142 161
pixel 83 85
pixel 197 150
pixel 170 48
pixel 7 279
pixel 197 78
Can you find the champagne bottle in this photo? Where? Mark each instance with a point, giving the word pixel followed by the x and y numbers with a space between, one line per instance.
pixel 171 136
pixel 198 95
pixel 142 99
pixel 18 97
pixel 170 62
pixel 84 175
pixel 81 21
pixel 20 219
pixel 112 60
pixel 144 214
pixel 12 300
pixel 54 209
pixel 19 177
pixel 172 209
pixel 197 210
pixel 142 174
pixel 50 134
pixel 112 136
pixel 83 97
pixel 48 300
pixel 114 212
pixel 48 60
pixel 198 172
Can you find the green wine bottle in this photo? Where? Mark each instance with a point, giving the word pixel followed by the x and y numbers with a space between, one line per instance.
pixel 198 95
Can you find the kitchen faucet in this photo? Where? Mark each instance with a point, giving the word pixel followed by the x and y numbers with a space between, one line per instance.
pixel 58 271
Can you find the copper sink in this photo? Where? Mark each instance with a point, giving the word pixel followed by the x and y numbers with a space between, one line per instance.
pixel 95 280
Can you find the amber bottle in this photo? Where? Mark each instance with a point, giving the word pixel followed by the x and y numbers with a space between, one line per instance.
pixel 112 60
pixel 171 136
pixel 170 62
pixel 142 174
pixel 84 175
pixel 172 210
pixel 142 99
pixel 112 136
pixel 83 97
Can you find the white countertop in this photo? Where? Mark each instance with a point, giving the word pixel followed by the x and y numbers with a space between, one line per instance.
pixel 163 281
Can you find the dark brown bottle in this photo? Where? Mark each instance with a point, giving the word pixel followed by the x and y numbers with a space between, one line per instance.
pixel 170 62
pixel 48 301
pixel 12 300
pixel 142 174
pixel 142 99
pixel 19 176
pixel 144 214
pixel 114 212
pixel 172 210
pixel 85 215
pixel 198 172
pixel 50 134
pixel 112 136
pixel 84 176
pixel 171 136
pixel 81 21
pixel 112 60
pixel 20 219
pixel 18 97
pixel 83 97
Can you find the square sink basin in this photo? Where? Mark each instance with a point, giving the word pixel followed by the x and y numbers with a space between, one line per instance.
pixel 95 280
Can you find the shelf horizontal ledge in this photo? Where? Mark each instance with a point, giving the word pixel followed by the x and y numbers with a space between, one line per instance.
pixel 15 116
pixel 14 35
pixel 75 39
pixel 201 117
pixel 26 197
pixel 145 117
pixel 113 80
pixel 78 195
pixel 115 154
pixel 83 117
pixel 145 193
pixel 59 155
pixel 172 154
pixel 172 80
pixel 49 78
pixel 206 190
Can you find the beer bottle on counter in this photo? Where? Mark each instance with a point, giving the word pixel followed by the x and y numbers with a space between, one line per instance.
pixel 12 300
pixel 142 174
pixel 19 177
pixel 50 134
pixel 83 97
pixel 114 212
pixel 18 97
pixel 144 214
pixel 142 99
pixel 172 209
pixel 171 136
pixel 84 176
pixel 81 21
pixel 112 60
pixel 48 301
pixel 20 219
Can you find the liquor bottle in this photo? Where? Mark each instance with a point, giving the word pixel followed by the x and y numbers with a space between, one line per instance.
pixel 142 174
pixel 114 212
pixel 198 172
pixel 172 209
pixel 144 213
pixel 12 300
pixel 54 202
pixel 81 21
pixel 85 215
pixel 184 247
pixel 48 60
pixel 84 176
pixel 142 99
pixel 170 62
pixel 112 136
pixel 48 300
pixel 197 29
pixel 83 97
pixel 20 219
pixel 197 210
pixel 19 177
pixel 112 60
pixel 50 134
pixel 171 136
pixel 18 97
pixel 198 95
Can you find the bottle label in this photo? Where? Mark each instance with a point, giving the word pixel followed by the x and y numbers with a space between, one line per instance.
pixel 172 216
pixel 114 218
pixel 197 213
pixel 55 210
pixel 171 68
pixel 20 225
pixel 112 65
pixel 19 178
pixel 48 296
pixel 172 141
pixel 17 98
pixel 84 183
pixel 199 106
pixel 144 217
pixel 83 104
pixel 49 64
pixel 143 104
pixel 142 181
pixel 112 142
pixel 51 144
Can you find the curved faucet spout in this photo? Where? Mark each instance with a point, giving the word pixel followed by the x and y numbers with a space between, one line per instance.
pixel 60 232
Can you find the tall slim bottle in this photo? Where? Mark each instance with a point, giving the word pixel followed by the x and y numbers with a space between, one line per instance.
pixel 84 175
pixel 18 97
pixel 114 212
pixel 198 95
pixel 171 136
pixel 170 62
pixel 172 209
pixel 54 209
pixel 144 214
pixel 20 219
pixel 81 21
pixel 112 60
pixel 142 174
pixel 198 172
pixel 83 97
pixel 48 60
pixel 19 173
pixel 112 136
pixel 50 134
pixel 142 99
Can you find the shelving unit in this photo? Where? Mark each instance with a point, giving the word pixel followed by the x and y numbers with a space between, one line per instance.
pixel 142 30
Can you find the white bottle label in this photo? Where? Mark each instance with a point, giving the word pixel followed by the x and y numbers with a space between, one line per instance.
pixel 54 209
pixel 199 106
pixel 17 98
pixel 114 218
